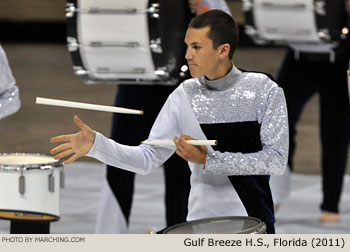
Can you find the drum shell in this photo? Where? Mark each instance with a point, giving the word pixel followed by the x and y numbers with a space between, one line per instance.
pixel 110 46
pixel 295 21
pixel 128 48
pixel 37 199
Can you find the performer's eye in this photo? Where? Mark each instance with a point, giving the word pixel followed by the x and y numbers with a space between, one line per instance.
pixel 196 47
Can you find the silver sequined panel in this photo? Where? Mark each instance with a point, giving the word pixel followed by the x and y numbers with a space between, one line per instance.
pixel 253 98
pixel 243 102
pixel 9 98
pixel 9 102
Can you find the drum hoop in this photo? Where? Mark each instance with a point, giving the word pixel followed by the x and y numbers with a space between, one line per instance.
pixel 38 166
pixel 30 212
pixel 258 229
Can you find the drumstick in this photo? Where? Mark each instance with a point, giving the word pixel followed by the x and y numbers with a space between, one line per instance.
pixel 171 142
pixel 61 103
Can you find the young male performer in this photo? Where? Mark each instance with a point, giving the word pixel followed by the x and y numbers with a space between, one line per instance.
pixel 244 111
pixel 116 200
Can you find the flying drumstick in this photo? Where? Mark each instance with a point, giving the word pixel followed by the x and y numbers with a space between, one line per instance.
pixel 80 105
pixel 171 142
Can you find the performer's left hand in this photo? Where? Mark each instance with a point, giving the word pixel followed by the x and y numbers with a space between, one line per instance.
pixel 195 154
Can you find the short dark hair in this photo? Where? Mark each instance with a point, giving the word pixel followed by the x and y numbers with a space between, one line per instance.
pixel 223 28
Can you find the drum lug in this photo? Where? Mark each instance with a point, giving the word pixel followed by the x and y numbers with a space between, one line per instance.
pixel 22 183
pixel 126 44
pixel 247 5
pixel 62 178
pixel 250 30
pixel 253 33
pixel 51 183
pixel 154 10
pixel 80 71
pixel 319 7
pixel 70 10
pixel 324 35
pixel 155 45
pixel 162 72
pixel 72 44
pixel 83 74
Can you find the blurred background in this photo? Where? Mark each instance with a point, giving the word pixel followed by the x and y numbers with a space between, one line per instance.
pixel 33 35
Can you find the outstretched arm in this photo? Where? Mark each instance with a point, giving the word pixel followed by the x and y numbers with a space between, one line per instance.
pixel 78 144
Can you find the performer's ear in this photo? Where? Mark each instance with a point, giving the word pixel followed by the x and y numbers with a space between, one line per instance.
pixel 225 48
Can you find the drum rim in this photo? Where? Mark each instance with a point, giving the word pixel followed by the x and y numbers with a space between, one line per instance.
pixel 40 166
pixel 259 227
pixel 57 217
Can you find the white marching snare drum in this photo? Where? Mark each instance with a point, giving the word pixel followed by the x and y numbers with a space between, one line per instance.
pixel 30 187
pixel 307 21
pixel 112 41
pixel 219 225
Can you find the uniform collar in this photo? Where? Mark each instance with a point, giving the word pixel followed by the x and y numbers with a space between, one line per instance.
pixel 223 83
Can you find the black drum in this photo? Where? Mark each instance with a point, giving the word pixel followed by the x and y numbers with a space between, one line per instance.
pixel 219 225
pixel 134 41
pixel 307 21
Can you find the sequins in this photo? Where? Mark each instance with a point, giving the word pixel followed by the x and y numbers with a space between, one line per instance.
pixel 9 102
pixel 254 97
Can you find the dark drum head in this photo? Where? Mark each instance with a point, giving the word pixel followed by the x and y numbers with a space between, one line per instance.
pixel 219 225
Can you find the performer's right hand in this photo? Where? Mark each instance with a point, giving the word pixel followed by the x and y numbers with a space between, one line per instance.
pixel 78 144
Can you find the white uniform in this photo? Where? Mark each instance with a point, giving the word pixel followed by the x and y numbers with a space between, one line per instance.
pixel 110 218
pixel 240 97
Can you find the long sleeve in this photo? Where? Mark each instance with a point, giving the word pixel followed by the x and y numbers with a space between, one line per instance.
pixel 9 94
pixel 272 159
pixel 141 159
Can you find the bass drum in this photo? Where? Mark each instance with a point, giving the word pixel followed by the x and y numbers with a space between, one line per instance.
pixel 134 41
pixel 307 21
pixel 219 225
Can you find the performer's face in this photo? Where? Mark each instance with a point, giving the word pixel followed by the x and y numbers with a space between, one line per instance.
pixel 202 58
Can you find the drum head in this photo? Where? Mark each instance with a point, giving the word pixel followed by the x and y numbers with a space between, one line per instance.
pixel 219 225
pixel 28 160
pixel 29 187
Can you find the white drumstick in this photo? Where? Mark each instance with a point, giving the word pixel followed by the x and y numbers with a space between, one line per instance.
pixel 69 104
pixel 171 142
